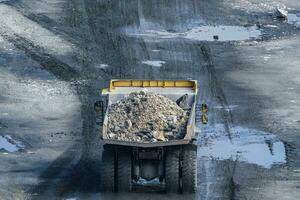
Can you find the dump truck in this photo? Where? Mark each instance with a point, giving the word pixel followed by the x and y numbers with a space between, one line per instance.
pixel 173 162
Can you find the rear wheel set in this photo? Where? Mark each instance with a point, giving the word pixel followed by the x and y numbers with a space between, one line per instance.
pixel 189 170
pixel 107 171
pixel 181 170
pixel 172 169
pixel 116 170
pixel 124 182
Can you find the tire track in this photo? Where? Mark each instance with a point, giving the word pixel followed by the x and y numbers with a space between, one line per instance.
pixel 50 63
pixel 217 176
pixel 65 165
pixel 216 90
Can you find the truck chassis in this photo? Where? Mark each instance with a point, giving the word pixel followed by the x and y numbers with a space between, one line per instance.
pixel 174 166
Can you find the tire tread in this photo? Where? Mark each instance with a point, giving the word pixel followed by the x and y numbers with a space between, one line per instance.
pixel 189 171
pixel 172 170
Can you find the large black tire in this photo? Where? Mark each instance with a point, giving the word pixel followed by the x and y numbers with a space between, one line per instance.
pixel 189 170
pixel 124 171
pixel 172 170
pixel 107 173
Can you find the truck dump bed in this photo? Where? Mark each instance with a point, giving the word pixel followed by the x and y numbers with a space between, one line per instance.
pixel 173 89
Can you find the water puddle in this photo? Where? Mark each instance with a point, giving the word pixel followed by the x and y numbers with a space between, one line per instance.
pixel 225 33
pixel 201 33
pixel 7 144
pixel 228 108
pixel 156 50
pixel 153 63
pixel 271 26
pixel 294 19
pixel 192 29
pixel 102 66
pixel 246 145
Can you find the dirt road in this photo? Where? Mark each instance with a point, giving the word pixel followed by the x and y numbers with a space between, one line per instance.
pixel 56 56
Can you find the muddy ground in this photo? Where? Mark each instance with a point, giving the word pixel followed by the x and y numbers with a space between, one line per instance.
pixel 56 56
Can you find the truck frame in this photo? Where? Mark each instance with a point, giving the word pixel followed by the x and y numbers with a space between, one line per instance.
pixel 173 162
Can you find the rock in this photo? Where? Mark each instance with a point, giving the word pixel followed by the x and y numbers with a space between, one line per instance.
pixel 140 134
pixel 145 117
pixel 111 135
pixel 128 109
pixel 167 129
pixel 181 132
pixel 172 119
pixel 128 124
pixel 153 140
pixel 172 126
pixel 155 134
pixel 142 93
pixel 170 135
pixel 281 13
pixel 182 102
pixel 149 135
pixel 117 128
pixel 161 136
pixel 145 138
pixel 145 131
pixel 143 99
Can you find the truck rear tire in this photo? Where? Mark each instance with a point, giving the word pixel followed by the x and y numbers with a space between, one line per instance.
pixel 189 170
pixel 107 173
pixel 172 170
pixel 124 171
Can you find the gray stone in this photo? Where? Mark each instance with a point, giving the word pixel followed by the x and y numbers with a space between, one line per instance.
pixel 145 117
pixel 128 124
pixel 281 13
pixel 117 128
pixel 111 135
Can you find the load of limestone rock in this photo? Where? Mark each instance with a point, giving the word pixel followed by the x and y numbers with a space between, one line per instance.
pixel 146 117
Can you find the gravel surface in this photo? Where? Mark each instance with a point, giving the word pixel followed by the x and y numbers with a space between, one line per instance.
pixel 56 55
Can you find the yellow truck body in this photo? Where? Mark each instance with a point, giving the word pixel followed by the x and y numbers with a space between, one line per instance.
pixel 172 89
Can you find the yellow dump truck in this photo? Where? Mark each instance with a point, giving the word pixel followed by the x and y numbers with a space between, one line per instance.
pixel 173 162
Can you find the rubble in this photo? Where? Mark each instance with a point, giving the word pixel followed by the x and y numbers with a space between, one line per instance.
pixel 281 13
pixel 146 117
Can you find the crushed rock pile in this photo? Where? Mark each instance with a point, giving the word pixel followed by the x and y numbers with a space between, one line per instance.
pixel 146 117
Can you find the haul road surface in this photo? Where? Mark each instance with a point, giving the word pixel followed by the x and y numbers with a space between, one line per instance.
pixel 56 56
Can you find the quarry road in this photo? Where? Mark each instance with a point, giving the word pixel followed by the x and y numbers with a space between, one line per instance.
pixel 57 55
